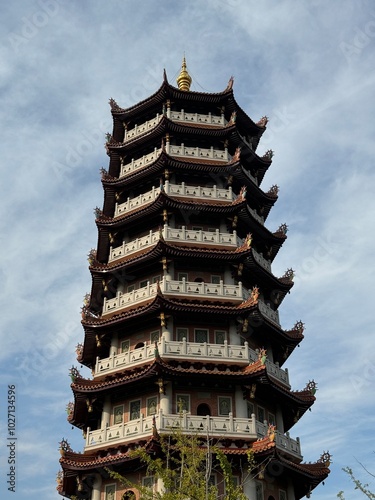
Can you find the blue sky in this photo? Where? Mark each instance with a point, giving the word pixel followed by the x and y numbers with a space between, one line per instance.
pixel 309 66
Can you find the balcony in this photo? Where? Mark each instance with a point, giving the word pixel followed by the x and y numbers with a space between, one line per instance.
pixel 196 118
pixel 183 350
pixel 283 441
pixel 266 264
pixel 181 289
pixel 175 190
pixel 270 314
pixel 176 116
pixel 256 216
pixel 142 129
pixel 179 151
pixel 198 153
pixel 183 235
pixel 173 235
pixel 139 163
pixel 228 427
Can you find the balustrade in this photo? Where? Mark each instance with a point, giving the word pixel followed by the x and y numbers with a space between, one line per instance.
pixel 182 116
pixel 141 129
pixel 283 441
pixel 266 310
pixel 183 151
pixel 174 235
pixel 199 153
pixel 227 353
pixel 141 162
pixel 213 426
pixel 171 287
pixel 175 190
pixel 266 264
pixel 220 427
pixel 178 116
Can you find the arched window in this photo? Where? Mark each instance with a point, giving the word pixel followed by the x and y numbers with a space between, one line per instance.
pixel 131 494
pixel 203 410
pixel 139 345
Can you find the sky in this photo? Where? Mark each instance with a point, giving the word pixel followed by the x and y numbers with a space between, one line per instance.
pixel 310 67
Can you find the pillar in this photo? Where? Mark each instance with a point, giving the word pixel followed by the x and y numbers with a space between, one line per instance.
pixel 249 488
pixel 165 399
pixel 279 419
pixel 114 345
pixel 96 488
pixel 106 413
pixel 241 404
pixel 167 329
pixel 160 486
pixel 290 491
pixel 234 337
pixel 228 279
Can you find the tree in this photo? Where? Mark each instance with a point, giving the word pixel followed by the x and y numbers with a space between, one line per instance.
pixel 363 487
pixel 185 464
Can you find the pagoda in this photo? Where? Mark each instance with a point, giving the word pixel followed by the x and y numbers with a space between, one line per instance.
pixel 182 322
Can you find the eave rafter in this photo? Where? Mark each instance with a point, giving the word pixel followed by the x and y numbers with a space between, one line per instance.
pixel 294 403
pixel 166 91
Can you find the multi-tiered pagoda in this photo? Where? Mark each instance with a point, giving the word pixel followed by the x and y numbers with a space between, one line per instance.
pixel 182 323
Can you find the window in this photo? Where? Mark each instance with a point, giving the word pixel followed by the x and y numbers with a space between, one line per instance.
pixel 152 404
pixel 135 409
pixel 203 410
pixel 118 412
pixel 155 279
pixel 261 414
pixel 250 409
pixel 197 228
pixel 225 405
pixel 143 283
pixel 215 279
pixel 271 419
pixel 125 346
pixel 181 276
pixel 282 495
pixel 130 288
pixel 220 336
pixel 235 480
pixel 182 402
pixel 154 336
pixel 258 490
pixel 148 481
pixel 110 491
pixel 129 495
pixel 201 336
pixel 182 333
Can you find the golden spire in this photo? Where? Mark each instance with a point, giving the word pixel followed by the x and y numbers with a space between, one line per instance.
pixel 184 79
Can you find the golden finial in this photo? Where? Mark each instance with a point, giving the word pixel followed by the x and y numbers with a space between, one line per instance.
pixel 184 79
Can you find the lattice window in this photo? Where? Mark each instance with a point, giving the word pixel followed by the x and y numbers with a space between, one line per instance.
pixel 118 414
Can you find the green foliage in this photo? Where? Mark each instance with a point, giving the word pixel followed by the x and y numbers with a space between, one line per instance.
pixel 185 464
pixel 364 488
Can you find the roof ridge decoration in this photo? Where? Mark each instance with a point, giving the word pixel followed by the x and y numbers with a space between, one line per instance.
pixel 252 299
pixel 262 122
pixel 230 83
pixel 184 79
